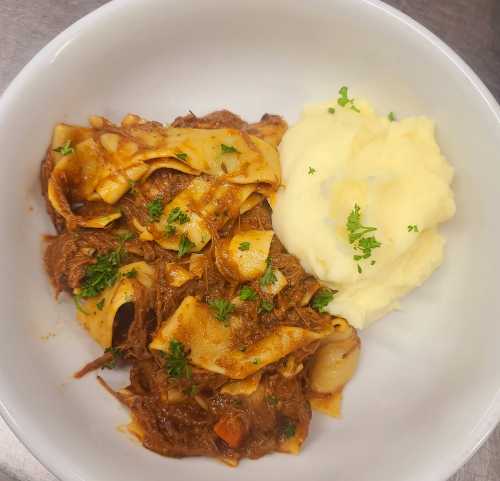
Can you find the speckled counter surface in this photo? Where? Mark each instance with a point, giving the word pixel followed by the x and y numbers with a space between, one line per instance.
pixel 472 27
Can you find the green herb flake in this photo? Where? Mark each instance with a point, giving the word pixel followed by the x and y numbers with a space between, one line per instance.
pixel 101 274
pixel 155 209
pixel 125 236
pixel 77 299
pixel 413 228
pixel 358 236
pixel 100 304
pixel 116 354
pixel 244 246
pixel 311 171
pixel 392 117
pixel 182 156
pixel 272 400
pixel 228 149
pixel 266 306
pixel 268 277
pixel 331 110
pixel 185 246
pixel 131 274
pixel 170 230
pixel 191 390
pixel 322 298
pixel 177 215
pixel 256 361
pixel 222 309
pixel 345 101
pixel 65 149
pixel 247 294
pixel 176 363
pixel 289 429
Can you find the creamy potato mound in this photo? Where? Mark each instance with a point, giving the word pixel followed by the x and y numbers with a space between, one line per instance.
pixel 343 163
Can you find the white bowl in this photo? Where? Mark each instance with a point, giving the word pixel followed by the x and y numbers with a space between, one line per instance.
pixel 427 391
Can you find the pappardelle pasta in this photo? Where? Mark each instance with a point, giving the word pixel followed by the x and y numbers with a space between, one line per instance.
pixel 164 240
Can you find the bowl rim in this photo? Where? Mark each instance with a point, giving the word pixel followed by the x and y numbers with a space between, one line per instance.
pixel 44 454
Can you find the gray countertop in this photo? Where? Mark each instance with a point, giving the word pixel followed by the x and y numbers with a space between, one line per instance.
pixel 472 27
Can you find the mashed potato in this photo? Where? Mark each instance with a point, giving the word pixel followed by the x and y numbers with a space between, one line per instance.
pixel 395 173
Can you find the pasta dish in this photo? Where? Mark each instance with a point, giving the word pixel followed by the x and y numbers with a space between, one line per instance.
pixel 165 242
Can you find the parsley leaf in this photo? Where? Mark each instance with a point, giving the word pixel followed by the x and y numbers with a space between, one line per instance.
pixel 102 274
pixel 116 355
pixel 176 363
pixel 177 215
pixel 311 171
pixel 125 236
pixel 185 245
pixel 155 209
pixel 322 298
pixel 256 361
pixel 65 149
pixel 77 300
pixel 345 101
pixel 222 309
pixel 131 273
pixel 182 156
pixel 331 110
pixel 244 246
pixel 357 236
pixel 100 304
pixel 228 149
pixel 392 117
pixel 247 294
pixel 413 228
pixel 170 230
pixel 266 306
pixel 268 277
pixel 289 429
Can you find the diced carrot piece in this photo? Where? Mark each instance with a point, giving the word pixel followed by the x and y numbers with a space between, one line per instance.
pixel 231 430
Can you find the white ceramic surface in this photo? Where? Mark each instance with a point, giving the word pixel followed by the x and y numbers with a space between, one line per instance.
pixel 427 391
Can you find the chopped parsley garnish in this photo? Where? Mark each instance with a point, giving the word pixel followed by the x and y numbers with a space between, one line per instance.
pixel 244 246
pixel 266 306
pixel 331 110
pixel 77 300
pixel 228 149
pixel 100 304
pixel 126 236
pixel 289 429
pixel 191 390
pixel 357 236
pixel 272 400
pixel 182 156
pixel 247 294
pixel 102 274
pixel 256 361
pixel 413 228
pixel 65 149
pixel 185 246
pixel 322 298
pixel 268 277
pixel 116 354
pixel 222 309
pixel 177 215
pixel 345 101
pixel 155 209
pixel 131 273
pixel 170 230
pixel 176 363
pixel 311 171
pixel 392 117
